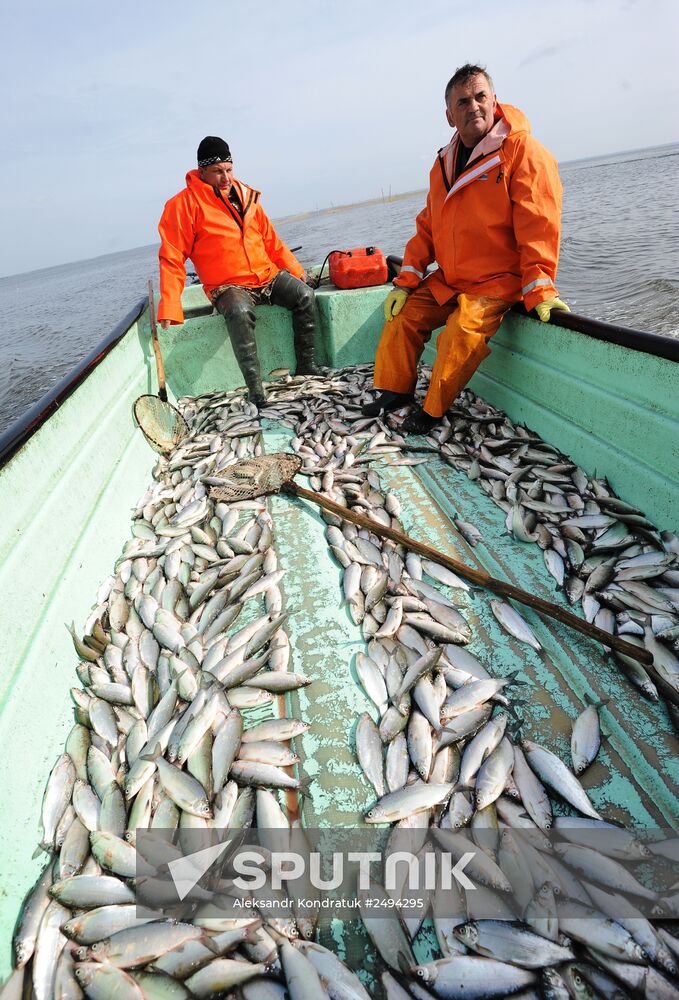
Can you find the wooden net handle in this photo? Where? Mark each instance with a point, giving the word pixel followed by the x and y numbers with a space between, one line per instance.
pixel 476 575
pixel 162 391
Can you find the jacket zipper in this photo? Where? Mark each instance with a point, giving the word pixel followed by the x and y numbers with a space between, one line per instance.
pixel 232 212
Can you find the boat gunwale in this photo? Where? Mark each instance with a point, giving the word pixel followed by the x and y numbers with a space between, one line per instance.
pixel 22 429
pixel 656 344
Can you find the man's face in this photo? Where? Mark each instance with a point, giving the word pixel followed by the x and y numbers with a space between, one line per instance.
pixel 219 175
pixel 471 109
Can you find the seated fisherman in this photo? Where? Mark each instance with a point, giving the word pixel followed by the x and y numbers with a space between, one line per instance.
pixel 492 223
pixel 219 223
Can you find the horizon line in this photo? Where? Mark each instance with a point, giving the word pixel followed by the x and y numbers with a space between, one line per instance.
pixel 308 213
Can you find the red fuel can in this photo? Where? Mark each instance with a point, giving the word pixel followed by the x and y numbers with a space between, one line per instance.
pixel 358 268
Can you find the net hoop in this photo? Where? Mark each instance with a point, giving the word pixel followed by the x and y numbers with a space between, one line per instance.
pixel 161 423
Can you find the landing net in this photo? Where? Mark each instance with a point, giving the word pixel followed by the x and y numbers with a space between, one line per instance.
pixel 257 477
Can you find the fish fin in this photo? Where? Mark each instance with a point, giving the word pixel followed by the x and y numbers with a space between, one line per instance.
pixel 592 702
pixel 446 729
pixel 42 848
pixel 304 786
pixel 403 964
pixel 252 930
pixel 210 944
pixel 511 710
pixel 155 753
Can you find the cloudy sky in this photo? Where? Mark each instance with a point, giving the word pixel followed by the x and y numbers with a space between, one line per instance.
pixel 322 102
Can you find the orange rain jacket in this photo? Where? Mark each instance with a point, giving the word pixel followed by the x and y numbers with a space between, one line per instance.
pixel 495 229
pixel 197 223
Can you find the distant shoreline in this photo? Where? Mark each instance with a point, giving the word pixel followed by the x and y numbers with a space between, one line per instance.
pixel 300 216
pixel 598 159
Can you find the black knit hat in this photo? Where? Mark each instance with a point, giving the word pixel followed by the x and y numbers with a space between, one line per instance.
pixel 212 149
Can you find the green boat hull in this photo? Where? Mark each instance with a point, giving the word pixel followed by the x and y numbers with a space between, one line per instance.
pixel 68 491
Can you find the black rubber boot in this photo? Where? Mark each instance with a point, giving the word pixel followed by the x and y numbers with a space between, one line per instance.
pixel 386 401
pixel 295 295
pixel 418 422
pixel 238 310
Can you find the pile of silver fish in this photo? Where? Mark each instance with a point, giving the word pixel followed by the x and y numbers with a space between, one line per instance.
pixel 185 659
pixel 437 756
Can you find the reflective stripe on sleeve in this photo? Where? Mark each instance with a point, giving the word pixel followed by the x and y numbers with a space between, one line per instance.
pixel 407 267
pixel 534 284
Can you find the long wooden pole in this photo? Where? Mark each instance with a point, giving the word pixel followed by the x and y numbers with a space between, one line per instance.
pixel 162 391
pixel 475 575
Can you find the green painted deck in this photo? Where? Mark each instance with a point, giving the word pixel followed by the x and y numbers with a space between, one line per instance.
pixel 67 494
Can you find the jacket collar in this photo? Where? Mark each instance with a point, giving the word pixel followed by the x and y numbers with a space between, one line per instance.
pixel 490 143
pixel 205 191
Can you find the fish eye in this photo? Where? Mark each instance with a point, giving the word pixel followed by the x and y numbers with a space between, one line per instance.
pixel 421 973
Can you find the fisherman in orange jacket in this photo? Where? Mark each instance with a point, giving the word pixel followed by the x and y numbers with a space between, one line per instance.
pixel 219 223
pixel 492 223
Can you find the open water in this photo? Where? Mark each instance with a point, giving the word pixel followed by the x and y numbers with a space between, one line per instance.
pixel 619 263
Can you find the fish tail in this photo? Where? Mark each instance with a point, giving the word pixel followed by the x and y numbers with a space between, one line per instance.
pixel 304 786
pixel 154 755
pixel 403 964
pixel 593 703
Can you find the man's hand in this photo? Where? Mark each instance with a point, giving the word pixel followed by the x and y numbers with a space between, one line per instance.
pixel 394 302
pixel 544 309
pixel 165 324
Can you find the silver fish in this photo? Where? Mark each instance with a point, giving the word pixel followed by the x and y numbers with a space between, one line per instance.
pixel 554 773
pixel 369 752
pixel 407 801
pixel 586 736
pixel 465 977
pixel 511 943
pixel 514 623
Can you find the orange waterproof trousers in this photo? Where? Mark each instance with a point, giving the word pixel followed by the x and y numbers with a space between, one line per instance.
pixel 468 324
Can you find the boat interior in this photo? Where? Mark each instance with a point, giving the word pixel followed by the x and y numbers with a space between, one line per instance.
pixel 68 490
